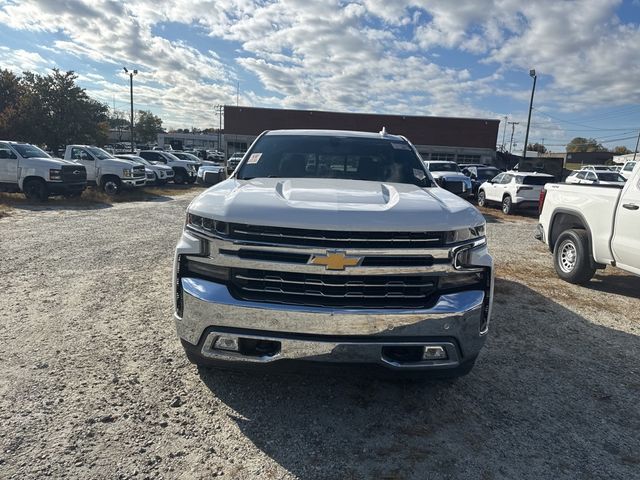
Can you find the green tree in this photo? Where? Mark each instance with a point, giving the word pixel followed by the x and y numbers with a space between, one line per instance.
pixel 621 150
pixel 52 110
pixel 148 126
pixel 11 92
pixel 581 144
pixel 536 147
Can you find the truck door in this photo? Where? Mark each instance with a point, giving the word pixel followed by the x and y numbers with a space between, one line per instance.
pixel 8 164
pixel 83 157
pixel 625 245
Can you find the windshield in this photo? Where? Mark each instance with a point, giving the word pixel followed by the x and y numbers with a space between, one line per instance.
pixel 99 153
pixel 487 174
pixel 315 156
pixel 533 180
pixel 29 151
pixel 443 167
pixel 610 177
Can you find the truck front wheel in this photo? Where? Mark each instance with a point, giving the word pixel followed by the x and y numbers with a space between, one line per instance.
pixel 111 186
pixel 35 189
pixel 571 257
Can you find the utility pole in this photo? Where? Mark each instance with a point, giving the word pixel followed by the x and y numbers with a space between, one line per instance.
pixel 219 109
pixel 504 131
pixel 513 128
pixel 131 74
pixel 532 74
pixel 635 152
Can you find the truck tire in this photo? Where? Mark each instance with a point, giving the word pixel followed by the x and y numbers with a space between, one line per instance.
pixel 35 189
pixel 191 180
pixel 572 258
pixel 111 186
pixel 482 199
pixel 179 177
pixel 507 205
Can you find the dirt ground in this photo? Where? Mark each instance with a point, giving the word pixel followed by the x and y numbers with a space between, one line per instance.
pixel 95 384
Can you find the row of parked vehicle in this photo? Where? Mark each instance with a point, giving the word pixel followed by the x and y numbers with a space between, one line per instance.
pixel 29 169
pixel 515 189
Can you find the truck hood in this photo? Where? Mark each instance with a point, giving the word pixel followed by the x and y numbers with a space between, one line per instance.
pixel 334 204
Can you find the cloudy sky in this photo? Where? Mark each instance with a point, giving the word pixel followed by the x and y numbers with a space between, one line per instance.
pixel 410 57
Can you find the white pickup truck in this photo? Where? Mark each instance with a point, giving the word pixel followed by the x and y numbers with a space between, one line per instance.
pixel 106 171
pixel 338 247
pixel 28 169
pixel 591 226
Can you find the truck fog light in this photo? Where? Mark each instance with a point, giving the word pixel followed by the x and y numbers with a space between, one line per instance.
pixel 226 343
pixel 434 353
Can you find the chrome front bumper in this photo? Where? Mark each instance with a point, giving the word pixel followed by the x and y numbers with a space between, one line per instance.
pixel 334 335
pixel 458 322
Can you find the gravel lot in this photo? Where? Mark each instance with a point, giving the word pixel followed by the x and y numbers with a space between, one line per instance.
pixel 95 384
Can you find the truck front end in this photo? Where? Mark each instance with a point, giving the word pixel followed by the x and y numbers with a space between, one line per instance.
pixel 347 280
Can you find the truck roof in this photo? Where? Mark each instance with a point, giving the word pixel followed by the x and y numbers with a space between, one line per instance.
pixel 336 133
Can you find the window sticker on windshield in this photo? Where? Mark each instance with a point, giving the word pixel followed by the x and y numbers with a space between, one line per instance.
pixel 254 158
pixel 419 174
pixel 400 146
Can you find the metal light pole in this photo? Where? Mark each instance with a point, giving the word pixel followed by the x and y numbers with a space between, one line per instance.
pixel 131 74
pixel 635 152
pixel 532 73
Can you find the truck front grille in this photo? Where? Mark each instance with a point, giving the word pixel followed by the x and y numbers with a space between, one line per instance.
pixel 345 291
pixel 74 173
pixel 334 239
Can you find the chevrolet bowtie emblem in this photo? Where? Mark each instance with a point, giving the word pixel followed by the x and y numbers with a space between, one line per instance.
pixel 335 260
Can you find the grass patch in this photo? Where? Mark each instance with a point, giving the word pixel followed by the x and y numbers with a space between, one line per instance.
pixel 93 197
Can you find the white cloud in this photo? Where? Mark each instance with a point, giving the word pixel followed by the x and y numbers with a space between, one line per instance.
pixel 370 55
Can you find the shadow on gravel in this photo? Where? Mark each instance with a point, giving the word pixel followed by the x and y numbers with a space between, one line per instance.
pixel 551 396
pixel 495 215
pixel 93 199
pixel 627 285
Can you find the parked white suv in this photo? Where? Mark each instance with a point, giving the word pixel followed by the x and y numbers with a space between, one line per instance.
pixel 106 171
pixel 28 169
pixel 513 190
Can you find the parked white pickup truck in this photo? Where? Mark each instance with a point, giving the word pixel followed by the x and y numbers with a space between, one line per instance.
pixel 106 171
pixel 28 169
pixel 591 226
pixel 333 246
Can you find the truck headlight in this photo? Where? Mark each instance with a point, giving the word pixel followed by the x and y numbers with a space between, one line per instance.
pixel 55 175
pixel 465 234
pixel 126 173
pixel 207 225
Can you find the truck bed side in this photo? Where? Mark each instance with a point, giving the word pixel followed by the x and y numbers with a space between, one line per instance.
pixel 581 206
